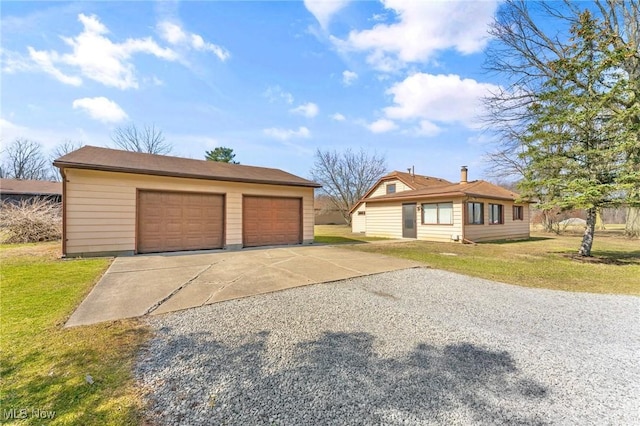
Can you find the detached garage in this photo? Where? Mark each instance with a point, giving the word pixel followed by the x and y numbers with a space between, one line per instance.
pixel 121 203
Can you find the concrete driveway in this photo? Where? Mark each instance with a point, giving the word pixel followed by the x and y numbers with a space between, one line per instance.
pixel 156 284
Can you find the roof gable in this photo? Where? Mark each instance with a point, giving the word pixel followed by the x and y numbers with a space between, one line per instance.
pixel 106 159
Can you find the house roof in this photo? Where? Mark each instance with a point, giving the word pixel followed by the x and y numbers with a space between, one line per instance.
pixel 413 181
pixel 31 187
pixel 113 160
pixel 477 188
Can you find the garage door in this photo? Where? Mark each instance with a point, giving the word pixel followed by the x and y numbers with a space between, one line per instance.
pixel 271 221
pixel 173 221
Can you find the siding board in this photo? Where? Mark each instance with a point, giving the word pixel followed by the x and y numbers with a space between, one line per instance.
pixel 108 199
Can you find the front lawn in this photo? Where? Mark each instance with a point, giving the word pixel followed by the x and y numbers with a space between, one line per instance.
pixel 544 261
pixel 44 367
pixel 339 234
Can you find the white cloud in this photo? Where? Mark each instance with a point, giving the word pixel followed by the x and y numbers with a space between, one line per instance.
pixel 48 137
pixel 348 77
pixel 96 57
pixel 275 93
pixel 175 35
pixel 338 117
pixel 382 126
pixel 102 109
pixel 422 29
pixel 286 134
pixel 323 10
pixel 427 128
pixel 437 99
pixel 309 110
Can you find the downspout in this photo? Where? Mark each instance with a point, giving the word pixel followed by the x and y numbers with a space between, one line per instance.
pixel 64 212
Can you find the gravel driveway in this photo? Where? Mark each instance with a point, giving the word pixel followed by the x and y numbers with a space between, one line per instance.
pixel 417 346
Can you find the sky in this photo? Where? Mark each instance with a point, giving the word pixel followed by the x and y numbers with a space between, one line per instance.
pixel 274 81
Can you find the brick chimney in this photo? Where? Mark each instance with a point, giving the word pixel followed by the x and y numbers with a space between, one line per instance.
pixel 463 175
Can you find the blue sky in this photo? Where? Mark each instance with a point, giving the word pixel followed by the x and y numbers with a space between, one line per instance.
pixel 272 80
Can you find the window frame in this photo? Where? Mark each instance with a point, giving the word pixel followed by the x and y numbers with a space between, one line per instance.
pixel 520 213
pixel 500 220
pixel 389 186
pixel 450 203
pixel 472 203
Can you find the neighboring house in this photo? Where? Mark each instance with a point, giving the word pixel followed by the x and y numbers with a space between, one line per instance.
pixel 120 202
pixel 326 213
pixel 15 190
pixel 434 209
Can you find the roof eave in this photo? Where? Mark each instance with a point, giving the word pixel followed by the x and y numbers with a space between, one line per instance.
pixel 63 164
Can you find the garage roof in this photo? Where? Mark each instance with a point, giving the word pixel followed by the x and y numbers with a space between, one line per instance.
pixel 30 187
pixel 113 160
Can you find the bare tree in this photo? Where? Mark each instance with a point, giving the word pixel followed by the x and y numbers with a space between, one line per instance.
pixel 24 160
pixel 148 139
pixel 62 149
pixel 345 177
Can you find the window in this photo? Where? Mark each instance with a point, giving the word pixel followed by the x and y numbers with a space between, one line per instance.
pixel 518 213
pixel 362 213
pixel 391 188
pixel 437 214
pixel 475 213
pixel 495 214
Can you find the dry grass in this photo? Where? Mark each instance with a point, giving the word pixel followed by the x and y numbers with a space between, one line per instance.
pixel 30 221
pixel 544 261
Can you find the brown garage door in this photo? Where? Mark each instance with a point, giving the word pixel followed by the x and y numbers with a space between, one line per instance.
pixel 271 221
pixel 173 221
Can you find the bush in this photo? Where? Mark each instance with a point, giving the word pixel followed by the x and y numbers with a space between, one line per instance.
pixel 30 221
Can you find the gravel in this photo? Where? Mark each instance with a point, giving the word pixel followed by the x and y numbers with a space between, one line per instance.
pixel 412 347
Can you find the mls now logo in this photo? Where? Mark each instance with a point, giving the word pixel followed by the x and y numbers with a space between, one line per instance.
pixel 14 414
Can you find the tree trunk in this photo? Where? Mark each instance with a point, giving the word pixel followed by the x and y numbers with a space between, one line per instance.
pixel 600 226
pixel 587 238
pixel 632 224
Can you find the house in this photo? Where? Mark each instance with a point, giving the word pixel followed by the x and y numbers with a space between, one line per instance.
pixel 16 190
pixel 326 213
pixel 120 202
pixel 403 205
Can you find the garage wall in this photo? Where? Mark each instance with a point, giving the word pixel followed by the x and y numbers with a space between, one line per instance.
pixel 510 229
pixel 101 207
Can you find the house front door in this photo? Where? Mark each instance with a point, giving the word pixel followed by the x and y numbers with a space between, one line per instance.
pixel 409 220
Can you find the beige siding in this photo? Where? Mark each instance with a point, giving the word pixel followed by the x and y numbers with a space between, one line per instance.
pixel 445 233
pixel 101 206
pixel 358 221
pixel 384 220
pixel 382 188
pixel 511 229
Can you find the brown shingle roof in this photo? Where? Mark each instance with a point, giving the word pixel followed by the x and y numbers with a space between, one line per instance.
pixel 106 159
pixel 31 187
pixel 478 188
pixel 415 181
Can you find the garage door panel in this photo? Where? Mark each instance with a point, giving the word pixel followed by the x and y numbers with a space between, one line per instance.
pixel 173 221
pixel 271 221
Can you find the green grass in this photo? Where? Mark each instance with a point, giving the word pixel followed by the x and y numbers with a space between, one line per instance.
pixel 340 234
pixel 544 261
pixel 43 366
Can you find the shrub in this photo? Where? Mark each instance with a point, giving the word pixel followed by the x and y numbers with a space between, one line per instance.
pixel 30 221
